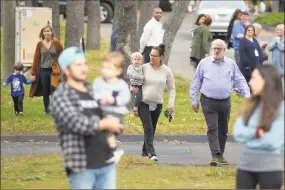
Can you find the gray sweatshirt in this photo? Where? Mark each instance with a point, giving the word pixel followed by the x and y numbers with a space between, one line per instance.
pixel 135 74
pixel 155 82
pixel 119 90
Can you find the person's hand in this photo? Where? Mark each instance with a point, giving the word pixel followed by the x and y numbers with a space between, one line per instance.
pixel 240 36
pixel 111 124
pixel 135 90
pixel 107 101
pixel 33 78
pixel 170 110
pixel 263 44
pixel 260 132
pixel 195 108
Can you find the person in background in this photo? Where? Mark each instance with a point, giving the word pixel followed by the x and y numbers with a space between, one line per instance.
pixel 157 78
pixel 200 20
pixel 201 42
pixel 238 34
pixel 114 40
pixel 215 96
pixel 152 34
pixel 277 48
pixel 250 53
pixel 77 117
pixel 17 88
pixel 261 127
pixel 135 74
pixel 113 96
pixel 45 69
pixel 262 44
pixel 235 18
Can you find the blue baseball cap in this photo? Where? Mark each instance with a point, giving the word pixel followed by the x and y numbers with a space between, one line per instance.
pixel 69 55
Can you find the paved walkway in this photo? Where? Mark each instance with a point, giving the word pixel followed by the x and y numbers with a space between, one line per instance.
pixel 173 153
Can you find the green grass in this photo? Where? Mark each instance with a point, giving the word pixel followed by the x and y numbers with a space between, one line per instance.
pixel 35 121
pixel 270 19
pixel 46 171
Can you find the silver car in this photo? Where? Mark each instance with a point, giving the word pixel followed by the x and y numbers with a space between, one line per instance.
pixel 221 13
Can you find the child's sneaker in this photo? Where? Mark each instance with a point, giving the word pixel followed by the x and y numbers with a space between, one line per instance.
pixel 136 111
pixel 21 114
pixel 116 156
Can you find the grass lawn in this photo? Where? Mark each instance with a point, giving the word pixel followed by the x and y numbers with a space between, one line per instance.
pixel 270 19
pixel 46 171
pixel 36 122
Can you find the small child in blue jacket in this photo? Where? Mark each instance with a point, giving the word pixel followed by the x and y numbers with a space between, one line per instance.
pixel 17 88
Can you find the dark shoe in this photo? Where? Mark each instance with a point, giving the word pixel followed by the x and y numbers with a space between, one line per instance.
pixel 222 160
pixel 16 113
pixel 144 155
pixel 47 112
pixel 214 161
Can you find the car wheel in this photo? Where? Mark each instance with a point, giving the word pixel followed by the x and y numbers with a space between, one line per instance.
pixel 106 12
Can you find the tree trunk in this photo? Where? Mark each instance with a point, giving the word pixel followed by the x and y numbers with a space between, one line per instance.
pixel 9 37
pixel 2 13
pixel 55 15
pixel 115 18
pixel 171 26
pixel 93 24
pixel 28 3
pixel 74 23
pixel 133 31
pixel 146 9
pixel 275 6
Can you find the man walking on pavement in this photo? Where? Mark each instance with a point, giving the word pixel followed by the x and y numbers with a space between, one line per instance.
pixel 213 78
pixel 238 33
pixel 152 34
pixel 77 118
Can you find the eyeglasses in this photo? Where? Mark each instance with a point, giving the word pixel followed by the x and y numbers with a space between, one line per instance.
pixel 217 49
pixel 153 55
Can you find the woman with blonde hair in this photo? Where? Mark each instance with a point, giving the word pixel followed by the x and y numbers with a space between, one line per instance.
pixel 45 69
pixel 261 127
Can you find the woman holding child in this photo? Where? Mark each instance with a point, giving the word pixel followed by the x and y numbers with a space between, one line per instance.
pixel 45 68
pixel 157 77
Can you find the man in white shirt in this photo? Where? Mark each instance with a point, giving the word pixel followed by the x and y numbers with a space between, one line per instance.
pixel 152 34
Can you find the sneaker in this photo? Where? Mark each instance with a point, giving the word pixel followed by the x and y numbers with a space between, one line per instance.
pixel 222 160
pixel 16 113
pixel 116 157
pixel 214 161
pixel 21 114
pixel 153 158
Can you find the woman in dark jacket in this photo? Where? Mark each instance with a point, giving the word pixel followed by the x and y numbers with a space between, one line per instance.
pixel 201 42
pixel 250 53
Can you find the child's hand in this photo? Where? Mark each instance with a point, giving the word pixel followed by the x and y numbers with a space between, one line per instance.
pixel 33 78
pixel 107 101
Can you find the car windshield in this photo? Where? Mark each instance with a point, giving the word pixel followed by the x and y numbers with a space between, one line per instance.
pixel 221 4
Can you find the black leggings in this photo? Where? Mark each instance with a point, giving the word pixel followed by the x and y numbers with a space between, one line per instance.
pixel 149 120
pixel 45 80
pixel 266 180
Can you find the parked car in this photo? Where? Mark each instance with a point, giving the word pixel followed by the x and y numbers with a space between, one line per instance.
pixel 106 7
pixel 221 13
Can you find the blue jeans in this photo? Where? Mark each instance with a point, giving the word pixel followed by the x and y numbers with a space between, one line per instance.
pixel 102 178
pixel 237 58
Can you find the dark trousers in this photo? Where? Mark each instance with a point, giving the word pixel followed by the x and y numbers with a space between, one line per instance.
pixel 266 180
pixel 217 115
pixel 194 61
pixel 138 97
pixel 146 53
pixel 18 103
pixel 45 80
pixel 149 120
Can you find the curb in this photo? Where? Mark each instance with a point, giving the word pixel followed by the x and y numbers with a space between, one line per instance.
pixel 122 138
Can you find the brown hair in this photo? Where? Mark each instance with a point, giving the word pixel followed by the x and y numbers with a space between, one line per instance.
pixel 208 20
pixel 247 27
pixel 269 100
pixel 18 66
pixel 41 35
pixel 244 13
pixel 115 58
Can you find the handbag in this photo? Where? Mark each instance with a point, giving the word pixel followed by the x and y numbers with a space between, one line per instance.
pixel 55 78
pixel 264 54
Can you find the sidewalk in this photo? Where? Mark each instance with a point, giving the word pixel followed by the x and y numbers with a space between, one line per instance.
pixel 121 138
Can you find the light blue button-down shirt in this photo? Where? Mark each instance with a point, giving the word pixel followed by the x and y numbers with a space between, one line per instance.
pixel 215 80
pixel 238 28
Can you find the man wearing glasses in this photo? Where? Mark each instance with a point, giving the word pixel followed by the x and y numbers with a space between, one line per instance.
pixel 214 78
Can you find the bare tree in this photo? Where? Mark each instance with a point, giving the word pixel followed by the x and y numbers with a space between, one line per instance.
pixel 172 25
pixel 2 12
pixel 28 3
pixel 133 31
pixel 145 14
pixel 93 24
pixel 74 22
pixel 126 13
pixel 115 18
pixel 55 15
pixel 9 37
